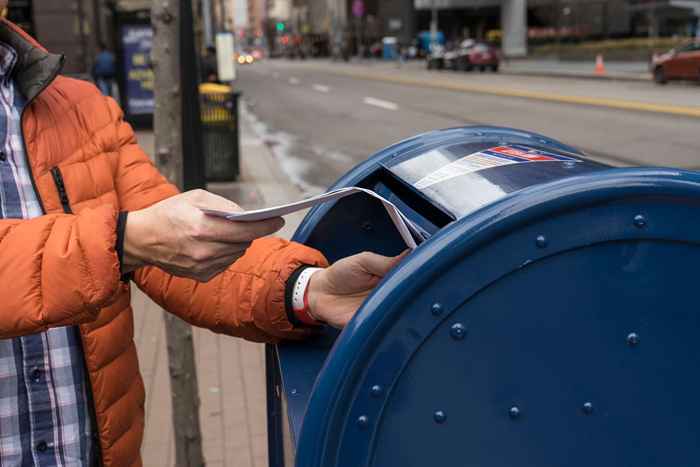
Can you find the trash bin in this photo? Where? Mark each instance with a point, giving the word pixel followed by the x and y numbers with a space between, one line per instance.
pixel 221 147
pixel 550 319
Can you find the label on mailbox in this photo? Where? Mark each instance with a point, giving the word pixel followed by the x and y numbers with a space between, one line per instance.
pixel 488 158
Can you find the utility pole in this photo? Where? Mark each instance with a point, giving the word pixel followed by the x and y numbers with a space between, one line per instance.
pixel 208 24
pixel 168 59
pixel 223 11
pixel 433 24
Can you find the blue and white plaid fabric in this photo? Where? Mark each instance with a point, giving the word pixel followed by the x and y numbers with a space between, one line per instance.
pixel 44 405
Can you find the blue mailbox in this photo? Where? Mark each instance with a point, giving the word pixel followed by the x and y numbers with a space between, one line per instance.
pixel 550 318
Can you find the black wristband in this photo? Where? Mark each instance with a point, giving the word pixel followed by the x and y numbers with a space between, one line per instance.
pixel 288 294
pixel 121 233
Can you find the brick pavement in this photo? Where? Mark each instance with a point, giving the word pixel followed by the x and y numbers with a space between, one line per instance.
pixel 230 371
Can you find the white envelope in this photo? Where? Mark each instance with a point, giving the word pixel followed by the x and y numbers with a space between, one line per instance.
pixel 405 226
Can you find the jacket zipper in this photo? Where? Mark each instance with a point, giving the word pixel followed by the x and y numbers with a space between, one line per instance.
pixel 97 445
pixel 61 187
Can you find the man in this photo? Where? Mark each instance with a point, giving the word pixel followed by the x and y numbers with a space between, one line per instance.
pixel 104 70
pixel 70 171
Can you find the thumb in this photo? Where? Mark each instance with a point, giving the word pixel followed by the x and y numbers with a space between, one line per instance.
pixel 378 265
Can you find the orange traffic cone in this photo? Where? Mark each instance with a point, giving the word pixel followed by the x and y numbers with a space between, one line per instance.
pixel 599 65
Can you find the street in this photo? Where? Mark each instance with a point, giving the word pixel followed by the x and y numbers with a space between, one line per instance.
pixel 322 118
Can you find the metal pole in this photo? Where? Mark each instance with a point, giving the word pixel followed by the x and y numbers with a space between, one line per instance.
pixel 221 23
pixel 83 38
pixel 208 25
pixel 433 24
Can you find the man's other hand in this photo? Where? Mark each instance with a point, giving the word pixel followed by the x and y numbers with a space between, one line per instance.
pixel 336 293
pixel 176 236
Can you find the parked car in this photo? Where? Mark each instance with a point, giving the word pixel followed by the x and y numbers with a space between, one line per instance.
pixel 473 55
pixel 680 63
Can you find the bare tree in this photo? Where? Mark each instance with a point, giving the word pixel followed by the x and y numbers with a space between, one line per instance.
pixel 168 129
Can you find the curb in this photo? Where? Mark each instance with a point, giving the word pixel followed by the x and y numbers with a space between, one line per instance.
pixel 574 75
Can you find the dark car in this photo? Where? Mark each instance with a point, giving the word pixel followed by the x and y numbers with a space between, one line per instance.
pixel 680 63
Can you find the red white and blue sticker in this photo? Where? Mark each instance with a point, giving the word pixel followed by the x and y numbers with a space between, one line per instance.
pixel 493 157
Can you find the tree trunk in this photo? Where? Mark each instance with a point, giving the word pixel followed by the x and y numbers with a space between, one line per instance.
pixel 166 58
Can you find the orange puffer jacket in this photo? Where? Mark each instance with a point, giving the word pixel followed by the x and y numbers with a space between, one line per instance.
pixel 62 269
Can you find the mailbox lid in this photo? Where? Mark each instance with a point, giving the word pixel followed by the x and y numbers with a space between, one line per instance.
pixel 464 176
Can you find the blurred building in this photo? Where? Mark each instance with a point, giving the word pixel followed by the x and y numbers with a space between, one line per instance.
pixel 518 22
pixel 326 20
pixel 70 28
pixel 257 17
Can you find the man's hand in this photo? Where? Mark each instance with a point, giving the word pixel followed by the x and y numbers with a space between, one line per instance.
pixel 336 293
pixel 176 236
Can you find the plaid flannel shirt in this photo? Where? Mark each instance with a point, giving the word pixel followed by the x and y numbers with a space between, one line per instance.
pixel 45 410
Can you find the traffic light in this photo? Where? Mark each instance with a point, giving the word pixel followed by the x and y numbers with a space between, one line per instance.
pixel 280 26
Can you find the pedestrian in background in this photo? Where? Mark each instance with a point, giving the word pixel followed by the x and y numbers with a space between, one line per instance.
pixel 104 70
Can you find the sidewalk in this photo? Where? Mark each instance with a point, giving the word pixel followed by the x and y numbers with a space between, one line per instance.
pixel 230 371
pixel 621 71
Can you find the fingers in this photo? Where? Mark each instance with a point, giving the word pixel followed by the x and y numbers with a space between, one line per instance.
pixel 210 228
pixel 216 229
pixel 206 200
pixel 378 265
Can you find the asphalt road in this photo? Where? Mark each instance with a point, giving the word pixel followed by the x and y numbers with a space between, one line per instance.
pixel 323 118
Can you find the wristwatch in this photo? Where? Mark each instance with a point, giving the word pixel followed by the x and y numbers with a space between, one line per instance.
pixel 297 299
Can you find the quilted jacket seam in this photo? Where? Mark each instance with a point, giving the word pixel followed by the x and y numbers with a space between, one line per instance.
pixel 85 266
pixel 218 305
pixel 40 261
pixel 117 436
pixel 7 232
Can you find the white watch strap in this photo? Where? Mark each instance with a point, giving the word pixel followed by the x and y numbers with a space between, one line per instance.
pixel 300 287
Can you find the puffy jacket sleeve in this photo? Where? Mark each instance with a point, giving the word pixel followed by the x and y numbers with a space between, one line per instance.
pixel 247 300
pixel 57 270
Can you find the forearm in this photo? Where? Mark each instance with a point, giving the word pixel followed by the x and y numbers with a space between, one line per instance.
pixel 247 300
pixel 57 269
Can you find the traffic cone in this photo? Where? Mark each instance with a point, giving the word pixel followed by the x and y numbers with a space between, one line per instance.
pixel 599 65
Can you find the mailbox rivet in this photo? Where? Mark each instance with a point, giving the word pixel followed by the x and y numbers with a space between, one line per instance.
pixel 376 390
pixel 440 416
pixel 514 412
pixel 436 309
pixel 632 339
pixel 541 241
pixel 640 221
pixel 294 391
pixel 458 331
pixel 587 408
pixel 367 227
pixel 362 421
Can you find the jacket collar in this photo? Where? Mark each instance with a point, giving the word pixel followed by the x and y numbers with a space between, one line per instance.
pixel 36 68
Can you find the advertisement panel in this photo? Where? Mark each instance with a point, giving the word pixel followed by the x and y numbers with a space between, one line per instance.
pixel 136 42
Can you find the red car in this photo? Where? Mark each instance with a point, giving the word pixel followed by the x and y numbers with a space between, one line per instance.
pixel 680 63
pixel 479 55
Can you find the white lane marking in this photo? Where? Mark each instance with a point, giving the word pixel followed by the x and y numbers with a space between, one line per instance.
pixel 321 88
pixel 294 80
pixel 381 103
